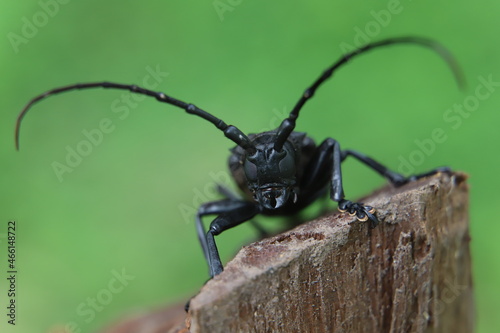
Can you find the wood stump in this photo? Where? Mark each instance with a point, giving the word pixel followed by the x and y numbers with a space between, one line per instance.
pixel 412 273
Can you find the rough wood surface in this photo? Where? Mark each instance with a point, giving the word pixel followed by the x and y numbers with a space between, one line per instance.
pixel 410 274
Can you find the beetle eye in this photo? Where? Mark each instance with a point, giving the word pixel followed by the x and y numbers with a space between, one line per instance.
pixel 250 171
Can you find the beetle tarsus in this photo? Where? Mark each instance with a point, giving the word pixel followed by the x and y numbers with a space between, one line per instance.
pixel 363 213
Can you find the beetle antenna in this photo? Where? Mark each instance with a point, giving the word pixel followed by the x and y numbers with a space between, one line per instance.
pixel 288 124
pixel 230 131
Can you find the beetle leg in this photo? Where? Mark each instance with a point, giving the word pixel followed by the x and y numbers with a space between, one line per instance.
pixel 223 190
pixel 231 213
pixel 327 159
pixel 395 178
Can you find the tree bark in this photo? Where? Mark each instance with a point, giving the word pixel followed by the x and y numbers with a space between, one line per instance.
pixel 412 273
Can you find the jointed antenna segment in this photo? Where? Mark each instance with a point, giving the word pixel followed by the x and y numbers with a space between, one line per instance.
pixel 288 125
pixel 230 131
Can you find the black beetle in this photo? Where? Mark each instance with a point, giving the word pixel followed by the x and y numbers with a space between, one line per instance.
pixel 282 171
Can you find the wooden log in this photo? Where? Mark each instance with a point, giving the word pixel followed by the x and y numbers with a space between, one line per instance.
pixel 412 273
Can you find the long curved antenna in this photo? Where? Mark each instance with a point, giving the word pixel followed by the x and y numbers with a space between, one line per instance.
pixel 231 132
pixel 288 124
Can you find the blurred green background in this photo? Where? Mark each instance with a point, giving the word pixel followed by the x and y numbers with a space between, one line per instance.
pixel 125 207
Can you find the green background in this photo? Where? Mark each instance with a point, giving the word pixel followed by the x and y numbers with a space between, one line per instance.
pixel 120 208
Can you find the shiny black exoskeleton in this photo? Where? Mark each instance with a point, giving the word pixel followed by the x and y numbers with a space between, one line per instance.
pixel 282 171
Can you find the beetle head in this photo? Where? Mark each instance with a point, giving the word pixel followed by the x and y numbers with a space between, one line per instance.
pixel 271 175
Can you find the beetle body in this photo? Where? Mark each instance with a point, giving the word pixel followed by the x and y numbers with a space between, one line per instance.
pixel 282 171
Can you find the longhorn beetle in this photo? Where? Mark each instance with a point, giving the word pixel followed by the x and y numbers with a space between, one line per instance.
pixel 282 171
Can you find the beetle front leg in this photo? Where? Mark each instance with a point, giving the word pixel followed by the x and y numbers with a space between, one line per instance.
pixel 362 212
pixel 328 157
pixel 231 213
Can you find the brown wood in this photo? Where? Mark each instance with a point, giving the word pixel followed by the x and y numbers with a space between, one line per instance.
pixel 412 273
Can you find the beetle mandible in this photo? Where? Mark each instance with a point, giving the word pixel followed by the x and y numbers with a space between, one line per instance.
pixel 280 172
